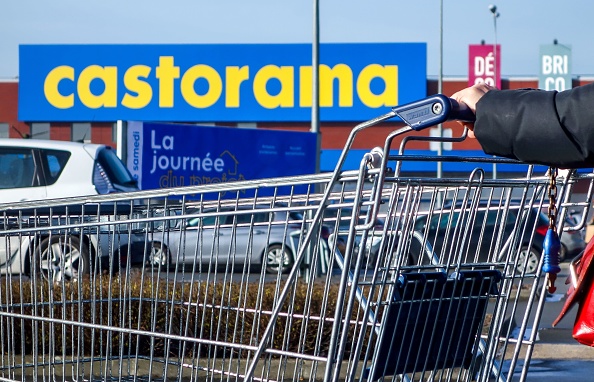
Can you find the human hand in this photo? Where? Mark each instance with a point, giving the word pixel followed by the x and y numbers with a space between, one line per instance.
pixel 470 96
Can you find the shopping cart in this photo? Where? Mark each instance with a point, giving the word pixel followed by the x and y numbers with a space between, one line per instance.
pixel 352 275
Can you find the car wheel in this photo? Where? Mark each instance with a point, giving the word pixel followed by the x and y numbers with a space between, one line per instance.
pixel 562 253
pixel 528 259
pixel 63 258
pixel 278 257
pixel 158 256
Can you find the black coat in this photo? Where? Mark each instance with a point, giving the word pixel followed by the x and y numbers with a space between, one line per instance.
pixel 536 126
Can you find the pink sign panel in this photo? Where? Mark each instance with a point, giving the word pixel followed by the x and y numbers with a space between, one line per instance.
pixel 484 65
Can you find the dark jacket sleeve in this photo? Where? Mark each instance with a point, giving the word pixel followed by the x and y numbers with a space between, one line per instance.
pixel 537 126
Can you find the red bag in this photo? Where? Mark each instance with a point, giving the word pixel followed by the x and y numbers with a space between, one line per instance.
pixel 583 295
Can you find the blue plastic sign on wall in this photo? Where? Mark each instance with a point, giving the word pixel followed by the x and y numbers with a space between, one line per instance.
pixel 217 82
pixel 166 155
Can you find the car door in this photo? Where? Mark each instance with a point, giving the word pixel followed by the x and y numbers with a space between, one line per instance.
pixel 199 240
pixel 233 238
pixel 20 175
pixel 11 246
pixel 244 235
pixel 484 233
pixel 453 236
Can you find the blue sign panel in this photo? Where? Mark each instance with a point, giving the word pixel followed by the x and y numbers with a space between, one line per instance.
pixel 216 83
pixel 166 155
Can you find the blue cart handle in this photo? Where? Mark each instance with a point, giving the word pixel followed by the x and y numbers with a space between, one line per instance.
pixel 432 111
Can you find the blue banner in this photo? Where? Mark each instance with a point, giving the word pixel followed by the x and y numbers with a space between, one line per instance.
pixel 166 155
pixel 217 82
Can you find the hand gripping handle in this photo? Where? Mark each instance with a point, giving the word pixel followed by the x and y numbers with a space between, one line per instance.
pixel 432 111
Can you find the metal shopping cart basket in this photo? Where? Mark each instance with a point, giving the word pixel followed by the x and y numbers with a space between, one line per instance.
pixel 366 274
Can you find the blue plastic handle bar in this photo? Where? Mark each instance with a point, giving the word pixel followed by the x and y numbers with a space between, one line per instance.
pixel 432 111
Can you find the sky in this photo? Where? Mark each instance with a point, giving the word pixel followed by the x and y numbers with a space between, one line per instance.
pixel 522 26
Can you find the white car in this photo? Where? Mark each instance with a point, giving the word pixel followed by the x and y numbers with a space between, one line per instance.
pixel 34 169
pixel 43 169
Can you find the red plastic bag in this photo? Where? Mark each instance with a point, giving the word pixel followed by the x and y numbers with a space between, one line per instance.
pixel 583 295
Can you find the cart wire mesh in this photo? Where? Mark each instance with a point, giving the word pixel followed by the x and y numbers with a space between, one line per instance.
pixel 353 275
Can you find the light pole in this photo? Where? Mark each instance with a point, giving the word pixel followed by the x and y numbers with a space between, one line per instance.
pixel 440 88
pixel 315 115
pixel 493 9
pixel 315 58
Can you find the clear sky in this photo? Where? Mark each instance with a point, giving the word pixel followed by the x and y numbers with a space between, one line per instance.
pixel 523 25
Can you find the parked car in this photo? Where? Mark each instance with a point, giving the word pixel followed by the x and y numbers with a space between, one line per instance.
pixel 572 242
pixel 63 243
pixel 35 169
pixel 440 227
pixel 339 222
pixel 230 236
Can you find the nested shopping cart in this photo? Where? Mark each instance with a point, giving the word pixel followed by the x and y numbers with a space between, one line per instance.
pixel 367 274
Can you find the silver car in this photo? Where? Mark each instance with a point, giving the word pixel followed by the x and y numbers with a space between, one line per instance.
pixel 229 236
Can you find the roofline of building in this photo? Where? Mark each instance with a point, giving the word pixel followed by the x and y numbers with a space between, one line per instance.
pixel 587 77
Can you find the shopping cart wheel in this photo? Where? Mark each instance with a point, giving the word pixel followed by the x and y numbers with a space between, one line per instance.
pixel 278 256
pixel 158 256
pixel 528 259
pixel 63 258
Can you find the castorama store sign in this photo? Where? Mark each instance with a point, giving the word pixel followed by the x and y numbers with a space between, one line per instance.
pixel 216 83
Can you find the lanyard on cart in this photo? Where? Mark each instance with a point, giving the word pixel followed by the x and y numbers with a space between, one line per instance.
pixel 552 245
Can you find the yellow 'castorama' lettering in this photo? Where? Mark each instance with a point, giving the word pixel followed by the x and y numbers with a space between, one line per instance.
pixel 50 87
pixel 139 92
pixel 133 82
pixel 284 98
pixel 109 76
pixel 341 72
pixel 390 90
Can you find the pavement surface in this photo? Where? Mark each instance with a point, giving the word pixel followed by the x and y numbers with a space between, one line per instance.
pixel 557 356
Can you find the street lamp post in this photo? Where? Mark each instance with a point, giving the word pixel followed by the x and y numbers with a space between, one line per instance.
pixel 440 88
pixel 315 117
pixel 493 9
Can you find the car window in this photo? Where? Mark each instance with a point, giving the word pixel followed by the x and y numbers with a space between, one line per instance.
pixel 493 217
pixel 261 217
pixel 295 216
pixel 55 161
pixel 420 223
pixel 17 168
pixel 207 221
pixel 114 168
pixel 246 218
pixel 441 221
pixel 239 219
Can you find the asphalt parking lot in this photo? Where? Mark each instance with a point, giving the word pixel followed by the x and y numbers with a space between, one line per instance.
pixel 557 356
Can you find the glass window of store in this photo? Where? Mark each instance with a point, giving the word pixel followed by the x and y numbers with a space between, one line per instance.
pixel 40 130
pixel 4 130
pixel 81 132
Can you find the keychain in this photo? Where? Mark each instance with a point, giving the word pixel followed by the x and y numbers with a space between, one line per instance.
pixel 552 245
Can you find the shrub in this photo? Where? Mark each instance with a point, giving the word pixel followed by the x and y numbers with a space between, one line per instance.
pixel 146 316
